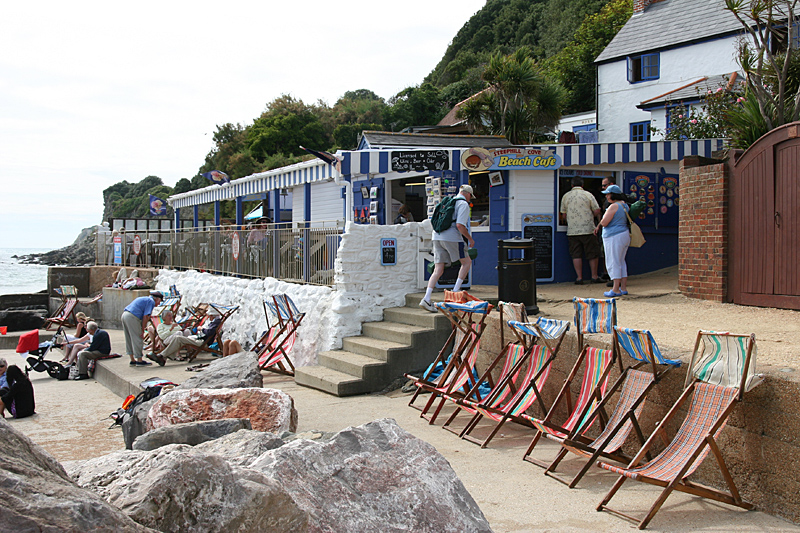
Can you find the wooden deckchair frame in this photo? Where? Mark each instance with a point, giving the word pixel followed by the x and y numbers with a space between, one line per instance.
pixel 172 303
pixel 65 314
pixel 277 341
pixel 708 443
pixel 193 351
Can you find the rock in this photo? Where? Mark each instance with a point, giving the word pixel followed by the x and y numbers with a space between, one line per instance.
pixel 191 433
pixel 22 320
pixel 135 424
pixel 268 409
pixel 180 488
pixel 243 447
pixel 371 477
pixel 37 494
pixel 235 371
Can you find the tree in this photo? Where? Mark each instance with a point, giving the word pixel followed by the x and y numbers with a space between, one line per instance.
pixel 415 106
pixel 284 127
pixel 770 26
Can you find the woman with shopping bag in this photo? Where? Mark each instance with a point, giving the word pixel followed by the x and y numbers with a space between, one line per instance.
pixel 616 240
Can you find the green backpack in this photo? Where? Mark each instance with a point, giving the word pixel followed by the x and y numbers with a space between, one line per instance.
pixel 444 213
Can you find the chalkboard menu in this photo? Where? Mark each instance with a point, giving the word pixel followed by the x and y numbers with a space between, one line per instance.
pixel 542 237
pixel 419 160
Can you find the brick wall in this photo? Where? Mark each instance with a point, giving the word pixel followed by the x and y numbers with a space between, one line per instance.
pixel 703 230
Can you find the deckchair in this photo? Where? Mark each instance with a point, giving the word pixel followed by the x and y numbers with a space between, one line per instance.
pixel 721 370
pixel 65 314
pixel 514 395
pixel 597 364
pixel 594 316
pixel 224 312
pixel 458 374
pixel 633 386
pixel 275 344
pixel 171 302
pixel 193 316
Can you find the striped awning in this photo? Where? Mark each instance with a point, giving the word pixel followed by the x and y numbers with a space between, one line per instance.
pixel 637 152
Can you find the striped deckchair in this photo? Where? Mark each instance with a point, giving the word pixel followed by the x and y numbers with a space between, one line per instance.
pixel 597 364
pixel 224 312
pixel 275 344
pixel 710 403
pixel 540 342
pixel 65 314
pixel 633 387
pixel 172 303
pixel 458 375
pixel 594 316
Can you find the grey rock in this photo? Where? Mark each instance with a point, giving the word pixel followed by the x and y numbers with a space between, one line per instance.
pixel 22 320
pixel 180 488
pixel 38 495
pixel 136 424
pixel 375 477
pixel 235 371
pixel 190 433
pixel 243 447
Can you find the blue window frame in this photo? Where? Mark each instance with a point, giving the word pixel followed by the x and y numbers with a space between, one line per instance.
pixel 643 67
pixel 640 131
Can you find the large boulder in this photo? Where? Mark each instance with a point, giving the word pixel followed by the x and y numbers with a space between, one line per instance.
pixel 16 320
pixel 38 495
pixel 180 488
pixel 191 433
pixel 235 371
pixel 136 424
pixel 268 409
pixel 243 447
pixel 373 477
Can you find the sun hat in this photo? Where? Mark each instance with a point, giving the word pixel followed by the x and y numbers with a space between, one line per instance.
pixel 156 294
pixel 613 189
pixel 467 188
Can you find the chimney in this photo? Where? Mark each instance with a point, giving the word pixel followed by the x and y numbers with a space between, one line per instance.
pixel 640 5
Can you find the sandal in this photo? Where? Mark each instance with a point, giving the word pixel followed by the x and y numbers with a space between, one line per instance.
pixel 611 294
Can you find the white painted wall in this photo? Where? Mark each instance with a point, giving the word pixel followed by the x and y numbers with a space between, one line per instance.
pixel 533 192
pixel 617 99
pixel 578 119
pixel 326 202
pixel 298 204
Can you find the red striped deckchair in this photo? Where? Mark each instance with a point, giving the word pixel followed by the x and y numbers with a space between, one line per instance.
pixel 722 358
pixel 65 314
pixel 275 344
pixel 514 396
pixel 594 316
pixel 633 386
pixel 458 375
pixel 597 364
pixel 170 302
pixel 224 312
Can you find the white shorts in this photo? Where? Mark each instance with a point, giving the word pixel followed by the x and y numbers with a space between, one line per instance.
pixel 616 248
pixel 448 251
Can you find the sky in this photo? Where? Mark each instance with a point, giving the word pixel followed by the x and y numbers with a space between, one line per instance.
pixel 93 93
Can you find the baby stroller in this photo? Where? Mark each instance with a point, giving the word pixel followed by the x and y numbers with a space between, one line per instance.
pixel 29 342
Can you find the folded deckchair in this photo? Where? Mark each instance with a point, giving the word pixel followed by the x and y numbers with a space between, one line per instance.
pixel 214 338
pixel 65 314
pixel 597 364
pixel 633 386
pixel 458 374
pixel 515 393
pixel 721 370
pixel 275 344
pixel 594 316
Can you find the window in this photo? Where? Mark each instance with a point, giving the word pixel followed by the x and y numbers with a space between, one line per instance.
pixel 643 67
pixel 640 131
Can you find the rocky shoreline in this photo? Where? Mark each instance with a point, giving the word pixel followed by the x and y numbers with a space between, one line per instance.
pixel 79 253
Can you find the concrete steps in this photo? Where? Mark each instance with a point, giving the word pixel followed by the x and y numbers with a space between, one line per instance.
pixel 408 339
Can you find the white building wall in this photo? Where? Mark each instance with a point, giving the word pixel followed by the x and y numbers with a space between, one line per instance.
pixel 533 192
pixel 617 99
pixel 578 119
pixel 326 202
pixel 298 203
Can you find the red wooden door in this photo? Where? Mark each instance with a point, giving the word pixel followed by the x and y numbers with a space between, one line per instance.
pixel 787 219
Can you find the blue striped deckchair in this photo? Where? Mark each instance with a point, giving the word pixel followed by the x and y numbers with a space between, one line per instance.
pixel 710 405
pixel 594 316
pixel 274 345
pixel 212 343
pixel 633 387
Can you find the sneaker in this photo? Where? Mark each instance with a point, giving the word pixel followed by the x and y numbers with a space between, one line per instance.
pixel 426 305
pixel 143 363
pixel 157 358
pixel 81 377
pixel 133 363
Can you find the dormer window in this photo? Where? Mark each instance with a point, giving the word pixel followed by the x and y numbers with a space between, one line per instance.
pixel 643 67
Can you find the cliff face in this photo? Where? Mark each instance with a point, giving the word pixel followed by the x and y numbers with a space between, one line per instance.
pixel 79 253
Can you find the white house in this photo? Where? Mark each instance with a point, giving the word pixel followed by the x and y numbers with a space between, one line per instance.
pixel 666 52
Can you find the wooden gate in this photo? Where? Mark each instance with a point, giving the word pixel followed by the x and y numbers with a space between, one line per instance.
pixel 764 223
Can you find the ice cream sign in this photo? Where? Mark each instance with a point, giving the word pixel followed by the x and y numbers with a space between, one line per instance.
pixel 479 159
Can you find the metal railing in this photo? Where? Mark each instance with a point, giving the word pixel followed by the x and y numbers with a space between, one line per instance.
pixel 297 252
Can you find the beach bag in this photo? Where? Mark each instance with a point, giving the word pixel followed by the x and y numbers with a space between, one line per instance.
pixel 637 239
pixel 444 213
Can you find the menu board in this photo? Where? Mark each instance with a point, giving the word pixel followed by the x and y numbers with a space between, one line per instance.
pixel 539 228
pixel 419 160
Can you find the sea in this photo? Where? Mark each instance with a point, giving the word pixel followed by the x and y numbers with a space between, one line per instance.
pixel 18 278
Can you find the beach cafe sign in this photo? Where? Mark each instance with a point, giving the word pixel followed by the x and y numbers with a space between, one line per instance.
pixel 478 159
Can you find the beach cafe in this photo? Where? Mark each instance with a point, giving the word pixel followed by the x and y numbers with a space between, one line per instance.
pixel 517 191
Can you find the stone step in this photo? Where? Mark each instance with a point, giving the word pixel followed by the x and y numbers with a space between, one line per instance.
pixel 392 331
pixel 357 365
pixel 415 316
pixel 331 381
pixel 376 348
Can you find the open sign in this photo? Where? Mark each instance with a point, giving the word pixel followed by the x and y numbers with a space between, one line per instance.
pixel 388 252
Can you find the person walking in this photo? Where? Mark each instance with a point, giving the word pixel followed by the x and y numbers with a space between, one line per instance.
pixel 616 240
pixel 135 318
pixel 99 347
pixel 448 247
pixel 579 209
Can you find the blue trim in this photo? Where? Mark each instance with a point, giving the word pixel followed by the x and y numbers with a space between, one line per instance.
pixel 653 151
pixel 239 211
pixel 639 152
pixel 456 161
pixel 694 146
pixel 612 153
pixel 626 153
pixel 307 202
pixel 597 153
pixel 567 156
pixel 177 221
pixel 364 162
pixel 707 144
pixel 195 216
pixel 383 162
pixel 582 154
pixel 217 213
pixel 276 205
pixel 639 131
pixel 681 147
pixel 667 151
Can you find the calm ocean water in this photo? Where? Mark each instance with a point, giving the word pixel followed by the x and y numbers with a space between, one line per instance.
pixel 17 278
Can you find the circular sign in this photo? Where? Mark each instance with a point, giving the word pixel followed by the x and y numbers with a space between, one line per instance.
pixel 137 244
pixel 235 245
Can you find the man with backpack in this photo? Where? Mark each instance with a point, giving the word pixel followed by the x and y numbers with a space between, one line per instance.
pixel 450 223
